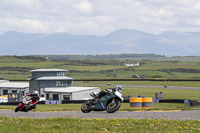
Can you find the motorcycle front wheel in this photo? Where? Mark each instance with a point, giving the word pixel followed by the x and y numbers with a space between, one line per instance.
pixel 17 108
pixel 86 107
pixel 113 106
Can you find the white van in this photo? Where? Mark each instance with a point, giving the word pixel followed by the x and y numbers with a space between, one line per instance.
pixel 42 99
pixel 4 99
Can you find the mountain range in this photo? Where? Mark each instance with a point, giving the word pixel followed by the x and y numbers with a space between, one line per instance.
pixel 167 43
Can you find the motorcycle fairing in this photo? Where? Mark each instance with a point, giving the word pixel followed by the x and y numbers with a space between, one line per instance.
pixel 101 105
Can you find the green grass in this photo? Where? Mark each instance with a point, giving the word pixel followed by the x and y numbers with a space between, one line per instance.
pixel 150 74
pixel 156 83
pixel 73 125
pixel 12 67
pixel 124 107
pixel 46 108
pixel 91 68
pixel 168 93
pixel 154 65
pixel 150 92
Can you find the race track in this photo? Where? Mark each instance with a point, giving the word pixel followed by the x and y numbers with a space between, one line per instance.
pixel 178 115
pixel 146 86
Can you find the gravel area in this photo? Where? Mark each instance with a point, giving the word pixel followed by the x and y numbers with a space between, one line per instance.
pixel 178 115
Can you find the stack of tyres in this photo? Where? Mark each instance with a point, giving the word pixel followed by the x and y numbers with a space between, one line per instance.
pixel 147 103
pixel 140 103
pixel 135 102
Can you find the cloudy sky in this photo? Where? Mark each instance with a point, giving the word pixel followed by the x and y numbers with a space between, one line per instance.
pixel 99 17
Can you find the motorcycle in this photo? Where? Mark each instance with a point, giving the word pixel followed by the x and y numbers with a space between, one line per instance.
pixel 25 105
pixel 109 101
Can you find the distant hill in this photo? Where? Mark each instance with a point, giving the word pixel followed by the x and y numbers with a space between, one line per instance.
pixel 117 42
pixel 104 57
pixel 128 57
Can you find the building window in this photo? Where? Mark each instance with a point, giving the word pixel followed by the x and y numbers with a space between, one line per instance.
pixel 14 91
pixel 5 92
pixel 60 83
pixel 60 74
pixel 66 97
pixel 55 96
pixel 13 96
pixel 68 85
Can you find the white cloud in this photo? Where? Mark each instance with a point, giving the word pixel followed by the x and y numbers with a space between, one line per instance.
pixel 99 17
pixel 24 25
pixel 194 22
pixel 20 3
pixel 197 6
pixel 85 7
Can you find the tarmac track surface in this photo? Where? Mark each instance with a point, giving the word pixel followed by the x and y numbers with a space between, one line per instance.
pixel 171 115
pixel 147 86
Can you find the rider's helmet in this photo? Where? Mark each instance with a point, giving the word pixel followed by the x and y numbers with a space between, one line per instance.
pixel 119 88
pixel 36 93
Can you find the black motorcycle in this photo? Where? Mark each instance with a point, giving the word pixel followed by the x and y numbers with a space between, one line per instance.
pixel 109 101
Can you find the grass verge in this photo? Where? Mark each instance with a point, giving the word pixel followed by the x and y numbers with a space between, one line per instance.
pixel 73 125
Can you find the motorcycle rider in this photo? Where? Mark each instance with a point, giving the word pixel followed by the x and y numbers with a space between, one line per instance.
pixel 35 99
pixel 103 93
pixel 119 87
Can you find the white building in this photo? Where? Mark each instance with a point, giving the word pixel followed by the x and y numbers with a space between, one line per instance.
pixel 132 64
pixel 52 84
pixel 13 87
pixel 69 93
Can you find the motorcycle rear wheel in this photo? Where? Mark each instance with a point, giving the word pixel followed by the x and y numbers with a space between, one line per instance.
pixel 111 108
pixel 18 108
pixel 86 107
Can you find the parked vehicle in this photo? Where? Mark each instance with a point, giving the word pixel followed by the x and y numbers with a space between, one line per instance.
pixel 42 99
pixel 4 99
pixel 26 104
pixel 109 100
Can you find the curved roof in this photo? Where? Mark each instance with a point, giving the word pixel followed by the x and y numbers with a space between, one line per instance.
pixel 14 85
pixel 49 70
pixel 55 78
pixel 69 89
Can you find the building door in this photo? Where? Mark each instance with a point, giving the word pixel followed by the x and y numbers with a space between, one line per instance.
pixel 47 96
pixel 55 96
pixel 5 92
pixel 66 97
pixel 22 93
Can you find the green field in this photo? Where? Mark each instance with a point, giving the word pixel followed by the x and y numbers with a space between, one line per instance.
pixel 150 92
pixel 156 83
pixel 73 125
pixel 18 67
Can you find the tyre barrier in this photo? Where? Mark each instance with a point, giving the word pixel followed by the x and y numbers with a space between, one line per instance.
pixel 135 102
pixel 140 103
pixel 147 102
pixel 171 100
